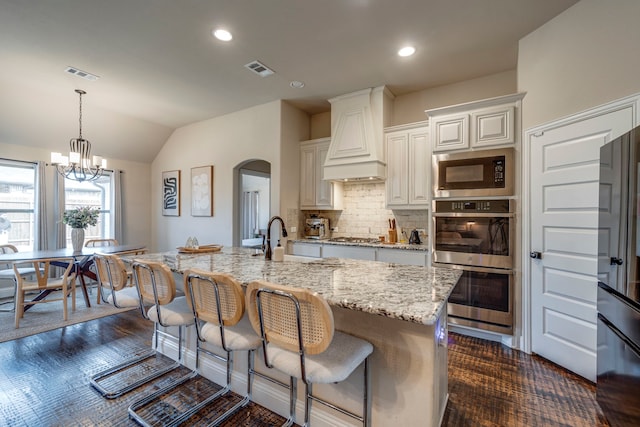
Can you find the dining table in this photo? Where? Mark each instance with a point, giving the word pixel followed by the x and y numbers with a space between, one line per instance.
pixel 83 260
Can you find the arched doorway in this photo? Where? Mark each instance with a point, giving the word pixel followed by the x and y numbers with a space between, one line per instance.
pixel 251 201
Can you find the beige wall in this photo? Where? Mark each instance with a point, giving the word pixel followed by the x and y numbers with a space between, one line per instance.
pixel 136 192
pixel 267 132
pixel 410 108
pixel 585 57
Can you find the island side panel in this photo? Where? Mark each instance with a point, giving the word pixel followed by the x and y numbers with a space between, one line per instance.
pixel 408 367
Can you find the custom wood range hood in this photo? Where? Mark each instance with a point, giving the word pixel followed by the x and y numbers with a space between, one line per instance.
pixel 358 120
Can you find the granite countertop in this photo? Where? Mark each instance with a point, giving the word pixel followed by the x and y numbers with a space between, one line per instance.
pixel 421 247
pixel 411 293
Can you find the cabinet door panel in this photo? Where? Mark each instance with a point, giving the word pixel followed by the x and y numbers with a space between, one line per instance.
pixel 397 188
pixel 324 193
pixel 493 126
pixel 307 177
pixel 451 132
pixel 419 168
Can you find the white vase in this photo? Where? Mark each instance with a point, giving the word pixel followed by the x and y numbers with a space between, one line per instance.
pixel 77 239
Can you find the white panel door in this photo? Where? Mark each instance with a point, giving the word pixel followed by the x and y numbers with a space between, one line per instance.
pixel 564 229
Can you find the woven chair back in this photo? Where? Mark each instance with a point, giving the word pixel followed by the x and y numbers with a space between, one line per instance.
pixel 199 286
pixel 146 273
pixel 111 271
pixel 280 318
pixel 96 243
pixel 7 249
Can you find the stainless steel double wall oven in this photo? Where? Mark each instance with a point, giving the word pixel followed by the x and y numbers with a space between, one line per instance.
pixel 477 236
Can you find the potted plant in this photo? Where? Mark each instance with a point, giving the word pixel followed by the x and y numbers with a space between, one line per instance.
pixel 79 219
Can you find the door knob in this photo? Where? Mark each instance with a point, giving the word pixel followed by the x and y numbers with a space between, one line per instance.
pixel 536 255
pixel 616 261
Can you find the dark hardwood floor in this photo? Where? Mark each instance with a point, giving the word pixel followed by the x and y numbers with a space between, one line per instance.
pixel 44 382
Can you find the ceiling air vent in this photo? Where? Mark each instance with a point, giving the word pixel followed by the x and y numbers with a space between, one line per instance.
pixel 259 68
pixel 80 73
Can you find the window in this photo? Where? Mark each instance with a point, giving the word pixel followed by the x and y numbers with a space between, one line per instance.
pixel 17 204
pixel 97 194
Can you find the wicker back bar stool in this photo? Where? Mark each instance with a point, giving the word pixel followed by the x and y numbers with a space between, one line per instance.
pixel 300 340
pixel 156 287
pixel 154 293
pixel 218 305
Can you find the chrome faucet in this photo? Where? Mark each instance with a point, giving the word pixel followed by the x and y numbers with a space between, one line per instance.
pixel 267 252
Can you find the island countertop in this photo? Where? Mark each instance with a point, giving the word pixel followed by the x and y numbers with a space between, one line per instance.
pixel 410 293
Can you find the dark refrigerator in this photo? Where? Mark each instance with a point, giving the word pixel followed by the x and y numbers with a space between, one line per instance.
pixel 618 292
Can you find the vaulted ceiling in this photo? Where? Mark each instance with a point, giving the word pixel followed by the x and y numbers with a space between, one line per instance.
pixel 160 68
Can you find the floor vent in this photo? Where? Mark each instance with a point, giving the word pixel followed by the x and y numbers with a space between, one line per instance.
pixel 259 68
pixel 80 73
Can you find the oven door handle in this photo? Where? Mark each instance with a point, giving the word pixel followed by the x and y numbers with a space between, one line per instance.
pixel 474 268
pixel 472 215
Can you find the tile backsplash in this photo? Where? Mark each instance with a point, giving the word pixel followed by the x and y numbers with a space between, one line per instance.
pixel 365 214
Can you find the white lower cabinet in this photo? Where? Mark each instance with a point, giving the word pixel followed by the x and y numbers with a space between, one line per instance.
pixel 397 256
pixel 306 249
pixel 352 252
pixel 400 256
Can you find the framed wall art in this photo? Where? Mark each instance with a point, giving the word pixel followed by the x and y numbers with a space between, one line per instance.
pixel 171 193
pixel 202 191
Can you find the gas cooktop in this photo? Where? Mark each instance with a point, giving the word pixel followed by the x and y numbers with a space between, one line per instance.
pixel 353 240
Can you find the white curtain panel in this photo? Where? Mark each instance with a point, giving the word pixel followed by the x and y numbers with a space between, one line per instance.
pixel 117 206
pixel 42 237
pixel 61 236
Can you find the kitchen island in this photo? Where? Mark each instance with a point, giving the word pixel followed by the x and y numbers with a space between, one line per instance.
pixel 400 309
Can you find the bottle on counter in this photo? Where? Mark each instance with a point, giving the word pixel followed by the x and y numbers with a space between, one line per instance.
pixel 278 253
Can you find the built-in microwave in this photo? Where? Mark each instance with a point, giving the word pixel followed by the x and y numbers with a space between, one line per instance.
pixel 474 173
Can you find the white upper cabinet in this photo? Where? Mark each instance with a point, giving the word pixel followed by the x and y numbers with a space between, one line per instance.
pixel 475 125
pixel 450 132
pixel 408 167
pixel 316 193
pixel 493 126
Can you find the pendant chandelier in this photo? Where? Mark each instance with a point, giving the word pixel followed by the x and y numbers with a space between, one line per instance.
pixel 79 165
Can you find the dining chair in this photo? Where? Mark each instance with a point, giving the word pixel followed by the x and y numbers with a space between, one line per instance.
pixel 95 243
pixel 299 339
pixel 43 282
pixel 7 272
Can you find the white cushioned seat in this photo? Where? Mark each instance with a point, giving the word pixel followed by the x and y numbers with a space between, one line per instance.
pixel 126 297
pixel 239 337
pixel 176 313
pixel 335 364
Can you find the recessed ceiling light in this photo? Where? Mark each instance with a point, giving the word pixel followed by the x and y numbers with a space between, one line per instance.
pixel 296 84
pixel 407 51
pixel 222 35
